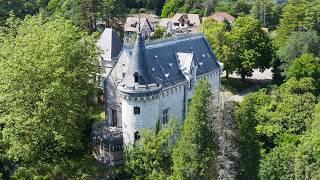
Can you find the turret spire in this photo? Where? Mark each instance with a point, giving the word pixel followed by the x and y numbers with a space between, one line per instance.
pixel 139 24
pixel 139 76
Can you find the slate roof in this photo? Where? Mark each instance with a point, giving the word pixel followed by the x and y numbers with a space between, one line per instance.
pixel 110 44
pixel 162 58
pixel 139 66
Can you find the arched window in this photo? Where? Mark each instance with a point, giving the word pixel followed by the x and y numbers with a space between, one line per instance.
pixel 136 77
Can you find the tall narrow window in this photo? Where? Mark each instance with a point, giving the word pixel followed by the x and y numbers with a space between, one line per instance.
pixel 165 116
pixel 136 77
pixel 114 117
pixel 136 110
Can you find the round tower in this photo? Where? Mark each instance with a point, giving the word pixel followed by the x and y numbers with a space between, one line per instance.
pixel 140 95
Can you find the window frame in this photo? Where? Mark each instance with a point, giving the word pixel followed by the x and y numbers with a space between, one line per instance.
pixel 165 116
pixel 136 110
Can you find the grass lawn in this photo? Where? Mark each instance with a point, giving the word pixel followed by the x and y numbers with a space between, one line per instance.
pixel 234 85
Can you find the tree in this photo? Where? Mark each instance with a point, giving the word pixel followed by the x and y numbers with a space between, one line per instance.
pixel 251 45
pixel 235 8
pixel 195 7
pixel 200 7
pixel 298 15
pixel 267 12
pixel 299 43
pixel 306 66
pixel 46 77
pixel 150 157
pixel 67 9
pixel 158 33
pixel 216 34
pixel 270 124
pixel 171 7
pixel 246 123
pixel 87 14
pixel 20 8
pixel 307 161
pixel 296 157
pixel 279 163
pixel 113 14
pixel 301 86
pixel 193 156
pixel 241 7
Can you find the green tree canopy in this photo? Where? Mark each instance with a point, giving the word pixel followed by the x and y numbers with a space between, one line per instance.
pixel 279 163
pixel 274 121
pixel 87 14
pixel 246 123
pixel 307 161
pixel 201 7
pixel 299 43
pixel 235 8
pixel 216 34
pixel 150 157
pixel 268 12
pixel 298 15
pixel 194 156
pixel 20 8
pixel 251 45
pixel 306 66
pixel 171 7
pixel 158 33
pixel 46 77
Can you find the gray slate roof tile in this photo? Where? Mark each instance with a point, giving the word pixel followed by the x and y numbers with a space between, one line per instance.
pixel 161 54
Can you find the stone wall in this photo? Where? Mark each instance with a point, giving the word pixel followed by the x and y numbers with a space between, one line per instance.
pixel 113 99
pixel 148 117
pixel 173 99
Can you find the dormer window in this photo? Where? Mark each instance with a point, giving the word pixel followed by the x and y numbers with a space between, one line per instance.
pixel 136 77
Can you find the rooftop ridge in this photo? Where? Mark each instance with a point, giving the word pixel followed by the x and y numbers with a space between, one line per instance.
pixel 176 37
pixel 167 39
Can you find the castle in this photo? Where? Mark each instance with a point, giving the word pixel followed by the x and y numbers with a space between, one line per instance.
pixel 154 81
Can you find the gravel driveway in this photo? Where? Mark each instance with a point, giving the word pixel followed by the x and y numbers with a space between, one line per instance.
pixel 259 79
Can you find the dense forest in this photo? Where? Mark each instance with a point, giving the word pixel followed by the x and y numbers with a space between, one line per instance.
pixel 48 56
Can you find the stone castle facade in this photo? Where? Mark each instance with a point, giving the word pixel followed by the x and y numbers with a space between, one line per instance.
pixel 148 83
pixel 155 81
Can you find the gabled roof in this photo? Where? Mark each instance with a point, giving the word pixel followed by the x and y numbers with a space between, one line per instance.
pixel 132 24
pixel 110 44
pixel 222 16
pixel 151 17
pixel 193 18
pixel 162 58
pixel 164 22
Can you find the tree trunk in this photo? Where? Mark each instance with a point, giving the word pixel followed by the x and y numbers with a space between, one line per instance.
pixel 243 78
pixel 227 74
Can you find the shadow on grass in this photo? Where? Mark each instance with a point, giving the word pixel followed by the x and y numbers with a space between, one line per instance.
pixel 235 85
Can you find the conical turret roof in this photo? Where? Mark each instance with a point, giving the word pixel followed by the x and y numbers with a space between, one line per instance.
pixel 138 77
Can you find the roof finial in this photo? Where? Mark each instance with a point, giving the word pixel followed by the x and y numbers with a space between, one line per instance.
pixel 139 27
